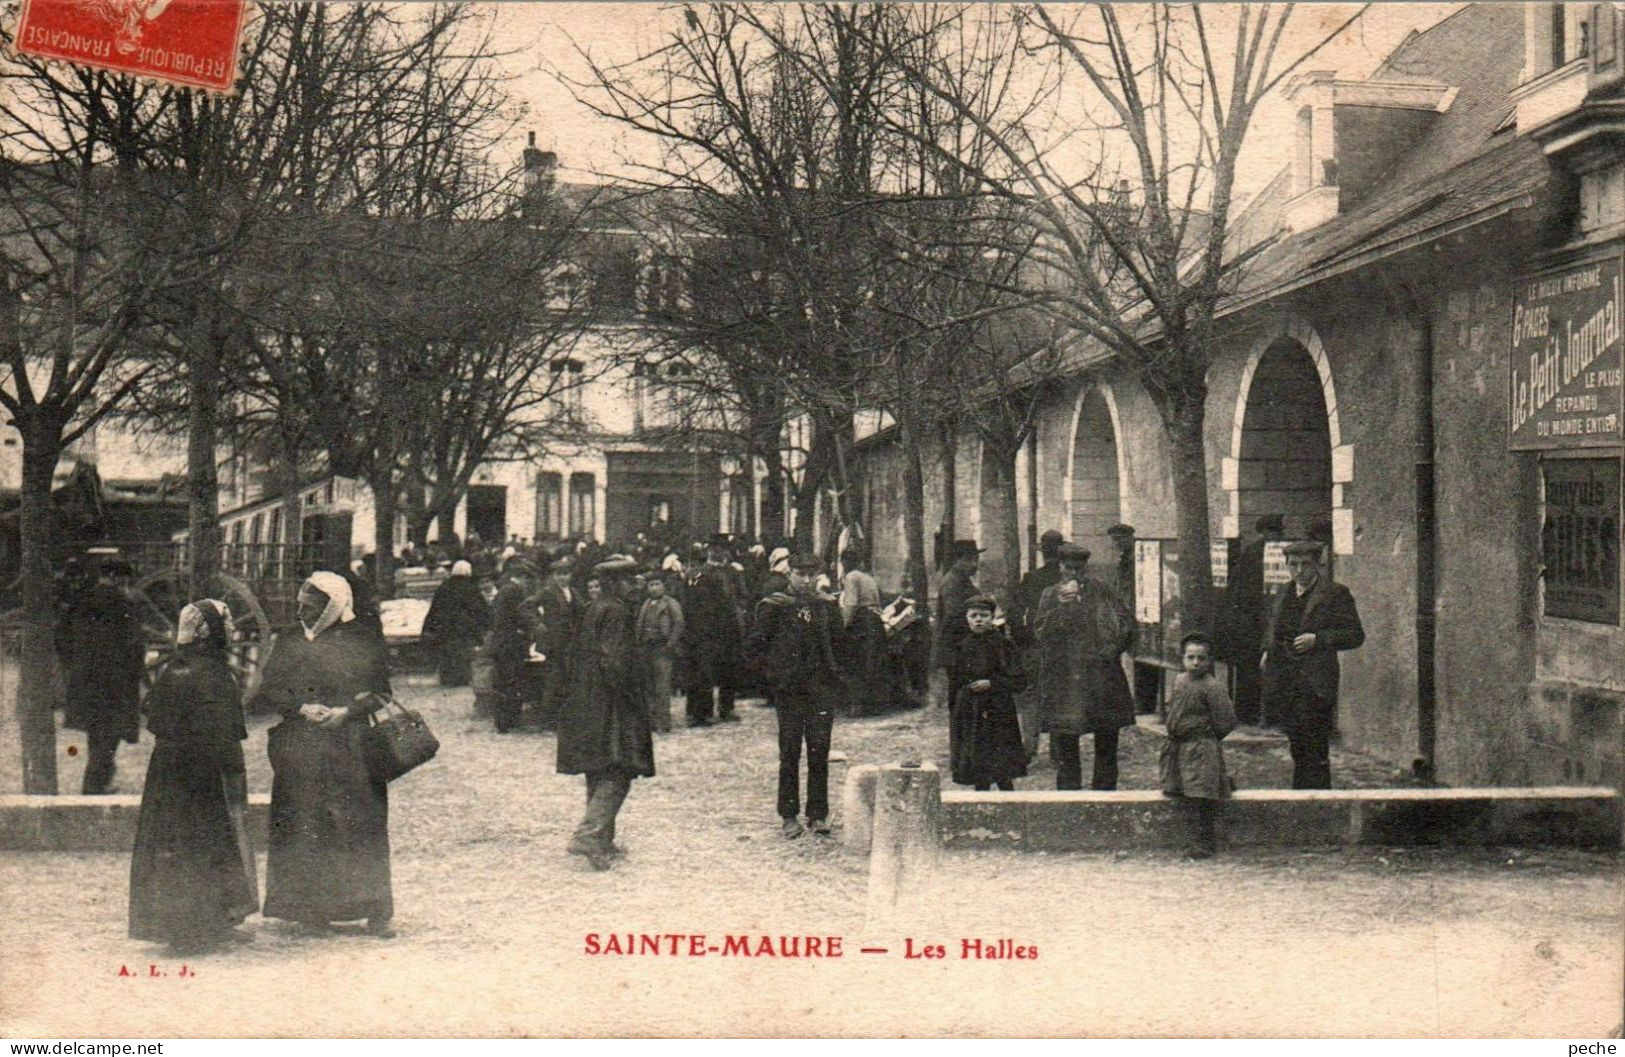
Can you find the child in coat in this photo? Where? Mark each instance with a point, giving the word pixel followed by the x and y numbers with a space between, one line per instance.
pixel 984 734
pixel 1198 714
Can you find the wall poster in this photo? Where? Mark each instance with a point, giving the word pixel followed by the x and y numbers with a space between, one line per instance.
pixel 1580 538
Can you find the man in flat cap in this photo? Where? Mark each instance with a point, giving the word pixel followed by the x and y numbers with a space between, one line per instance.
pixel 1120 576
pixel 1311 620
pixel 604 727
pixel 792 643
pixel 713 611
pixel 1246 601
pixel 1082 631
pixel 957 586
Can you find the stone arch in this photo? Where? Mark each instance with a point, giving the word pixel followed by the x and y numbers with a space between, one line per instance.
pixel 1274 358
pixel 1094 485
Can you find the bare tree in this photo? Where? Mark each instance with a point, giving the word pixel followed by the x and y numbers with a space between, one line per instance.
pixel 1124 153
pixel 780 167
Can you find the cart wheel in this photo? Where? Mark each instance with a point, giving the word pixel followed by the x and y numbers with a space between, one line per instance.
pixel 160 598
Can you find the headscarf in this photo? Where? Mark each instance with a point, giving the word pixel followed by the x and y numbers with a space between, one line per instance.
pixel 779 560
pixel 340 602
pixel 461 568
pixel 207 619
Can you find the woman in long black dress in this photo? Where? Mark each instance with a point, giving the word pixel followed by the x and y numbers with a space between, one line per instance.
pixel 458 619
pixel 192 877
pixel 329 848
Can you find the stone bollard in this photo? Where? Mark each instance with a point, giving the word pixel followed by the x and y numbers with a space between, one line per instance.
pixel 907 838
pixel 858 806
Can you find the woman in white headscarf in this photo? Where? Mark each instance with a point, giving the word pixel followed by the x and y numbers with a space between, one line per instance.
pixel 459 616
pixel 329 847
pixel 192 876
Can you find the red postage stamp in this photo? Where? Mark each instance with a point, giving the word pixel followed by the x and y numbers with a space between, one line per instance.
pixel 186 42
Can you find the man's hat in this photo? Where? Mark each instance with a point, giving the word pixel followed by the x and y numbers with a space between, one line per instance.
pixel 1050 536
pixel 1071 552
pixel 616 565
pixel 562 564
pixel 982 600
pixel 1308 548
pixel 518 567
pixel 964 549
pixel 1120 530
pixel 721 539
pixel 1270 523
pixel 806 563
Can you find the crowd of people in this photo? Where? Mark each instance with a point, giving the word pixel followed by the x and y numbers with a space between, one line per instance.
pixel 594 644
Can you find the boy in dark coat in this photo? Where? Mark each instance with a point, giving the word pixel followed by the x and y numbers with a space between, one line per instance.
pixel 984 733
pixel 604 728
pixel 1198 715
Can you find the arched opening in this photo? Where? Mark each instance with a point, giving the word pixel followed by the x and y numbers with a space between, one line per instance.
pixel 1285 463
pixel 1096 490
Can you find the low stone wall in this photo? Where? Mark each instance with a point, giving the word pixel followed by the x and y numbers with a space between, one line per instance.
pixel 1575 817
pixel 93 823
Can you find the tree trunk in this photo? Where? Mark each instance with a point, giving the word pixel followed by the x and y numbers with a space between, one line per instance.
pixel 1191 519
pixel 914 517
pixel 202 473
pixel 1006 519
pixel 447 520
pixel 419 516
pixel 773 506
pixel 950 498
pixel 385 504
pixel 36 691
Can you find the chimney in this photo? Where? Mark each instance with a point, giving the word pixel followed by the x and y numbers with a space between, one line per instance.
pixel 541 168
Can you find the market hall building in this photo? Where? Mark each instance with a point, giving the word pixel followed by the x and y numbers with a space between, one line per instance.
pixel 1425 367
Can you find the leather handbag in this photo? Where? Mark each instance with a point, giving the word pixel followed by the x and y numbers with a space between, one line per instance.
pixel 396 741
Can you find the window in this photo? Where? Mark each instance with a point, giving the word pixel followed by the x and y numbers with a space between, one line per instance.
pixel 583 495
pixel 568 389
pixel 549 506
pixel 739 503
pixel 1579 539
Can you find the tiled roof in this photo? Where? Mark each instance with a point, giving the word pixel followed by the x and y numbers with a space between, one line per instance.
pixel 1468 165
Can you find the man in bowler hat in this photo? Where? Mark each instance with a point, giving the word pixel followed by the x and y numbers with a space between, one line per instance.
pixel 1312 619
pixel 713 614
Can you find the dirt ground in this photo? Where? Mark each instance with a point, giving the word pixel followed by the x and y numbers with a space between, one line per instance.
pixel 494 920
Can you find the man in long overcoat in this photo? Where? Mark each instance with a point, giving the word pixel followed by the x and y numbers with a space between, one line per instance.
pixel 1248 609
pixel 102 651
pixel 1311 620
pixel 562 606
pixel 1082 631
pixel 1033 586
pixel 514 628
pixel 713 613
pixel 604 728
